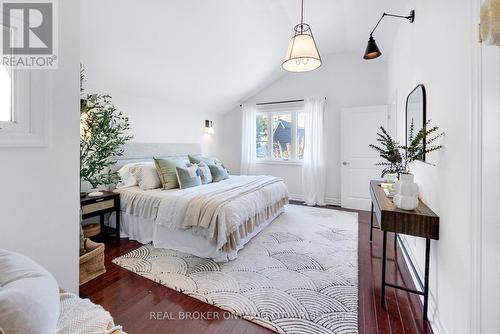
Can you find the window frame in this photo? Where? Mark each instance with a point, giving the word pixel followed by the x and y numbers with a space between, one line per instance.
pixel 30 104
pixel 293 109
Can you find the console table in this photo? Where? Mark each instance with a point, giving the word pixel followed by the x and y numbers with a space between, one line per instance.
pixel 421 222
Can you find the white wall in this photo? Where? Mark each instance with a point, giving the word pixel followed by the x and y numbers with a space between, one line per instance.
pixel 39 193
pixel 435 51
pixel 160 121
pixel 346 80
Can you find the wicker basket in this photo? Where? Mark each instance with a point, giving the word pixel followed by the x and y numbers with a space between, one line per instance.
pixel 91 230
pixel 92 262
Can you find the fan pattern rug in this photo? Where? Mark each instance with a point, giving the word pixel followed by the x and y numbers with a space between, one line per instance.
pixel 299 275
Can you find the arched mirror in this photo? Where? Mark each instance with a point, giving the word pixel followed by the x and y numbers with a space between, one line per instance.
pixel 415 112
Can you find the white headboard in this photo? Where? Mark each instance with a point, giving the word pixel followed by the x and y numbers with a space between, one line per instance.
pixel 133 152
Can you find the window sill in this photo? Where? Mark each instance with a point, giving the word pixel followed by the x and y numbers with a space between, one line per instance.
pixel 280 162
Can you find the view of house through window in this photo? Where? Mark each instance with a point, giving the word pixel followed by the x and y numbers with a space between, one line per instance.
pixel 280 136
pixel 5 95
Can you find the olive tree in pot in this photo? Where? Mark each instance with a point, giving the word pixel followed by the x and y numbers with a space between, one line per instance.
pixel 103 131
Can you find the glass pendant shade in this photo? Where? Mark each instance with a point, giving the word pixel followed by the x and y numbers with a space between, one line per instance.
pixel 302 54
pixel 372 50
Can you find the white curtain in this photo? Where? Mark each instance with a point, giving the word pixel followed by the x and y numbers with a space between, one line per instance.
pixel 314 169
pixel 248 139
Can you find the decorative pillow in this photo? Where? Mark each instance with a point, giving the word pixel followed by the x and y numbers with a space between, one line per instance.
pixel 146 176
pixel 188 176
pixel 198 159
pixel 126 178
pixel 205 174
pixel 218 172
pixel 167 172
pixel 29 296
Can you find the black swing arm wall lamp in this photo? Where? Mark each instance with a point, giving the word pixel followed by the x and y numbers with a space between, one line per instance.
pixel 372 50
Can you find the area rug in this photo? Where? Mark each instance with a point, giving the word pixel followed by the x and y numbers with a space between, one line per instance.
pixel 299 275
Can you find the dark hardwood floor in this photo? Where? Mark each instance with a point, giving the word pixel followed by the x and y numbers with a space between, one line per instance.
pixel 142 306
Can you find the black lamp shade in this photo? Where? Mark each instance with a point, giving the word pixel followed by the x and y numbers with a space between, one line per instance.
pixel 372 50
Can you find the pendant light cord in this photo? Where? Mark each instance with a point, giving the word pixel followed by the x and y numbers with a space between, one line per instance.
pixel 302 16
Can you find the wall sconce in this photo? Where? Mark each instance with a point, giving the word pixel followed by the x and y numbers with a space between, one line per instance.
pixel 372 50
pixel 209 128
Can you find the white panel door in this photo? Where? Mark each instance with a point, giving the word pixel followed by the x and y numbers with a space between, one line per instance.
pixel 359 127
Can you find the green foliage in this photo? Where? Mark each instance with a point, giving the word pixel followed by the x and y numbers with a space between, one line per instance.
pixel 421 143
pixel 389 150
pixel 398 158
pixel 103 131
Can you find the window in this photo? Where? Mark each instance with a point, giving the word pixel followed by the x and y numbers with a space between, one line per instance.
pixel 6 90
pixel 280 135
pixel 5 95
pixel 23 110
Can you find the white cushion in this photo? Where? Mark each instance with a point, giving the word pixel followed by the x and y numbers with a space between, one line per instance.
pixel 146 176
pixel 206 176
pixel 29 296
pixel 126 177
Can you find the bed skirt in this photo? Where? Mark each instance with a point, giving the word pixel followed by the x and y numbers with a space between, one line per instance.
pixel 147 231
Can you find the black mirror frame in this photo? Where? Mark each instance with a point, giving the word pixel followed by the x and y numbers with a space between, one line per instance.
pixel 424 111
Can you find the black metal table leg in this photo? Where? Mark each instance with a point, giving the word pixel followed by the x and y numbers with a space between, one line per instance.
pixel 371 224
pixel 384 251
pixel 426 277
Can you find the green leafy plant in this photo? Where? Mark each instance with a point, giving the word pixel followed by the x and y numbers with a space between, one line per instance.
pixel 421 143
pixel 103 131
pixel 398 158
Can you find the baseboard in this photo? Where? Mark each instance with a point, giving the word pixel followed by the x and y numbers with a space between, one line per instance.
pixel 328 200
pixel 433 313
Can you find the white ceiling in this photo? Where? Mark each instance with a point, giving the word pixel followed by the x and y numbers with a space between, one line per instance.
pixel 208 55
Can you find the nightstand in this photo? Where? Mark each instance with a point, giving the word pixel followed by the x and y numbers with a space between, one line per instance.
pixel 98 206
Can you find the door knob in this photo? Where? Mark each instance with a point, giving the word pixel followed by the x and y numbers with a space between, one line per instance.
pixel 345 163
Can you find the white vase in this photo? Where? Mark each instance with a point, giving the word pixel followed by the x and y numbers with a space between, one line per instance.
pixel 406 189
pixel 391 177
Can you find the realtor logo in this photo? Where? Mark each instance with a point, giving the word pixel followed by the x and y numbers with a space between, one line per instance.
pixel 29 34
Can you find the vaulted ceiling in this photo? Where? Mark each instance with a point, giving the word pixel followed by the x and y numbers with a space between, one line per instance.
pixel 208 55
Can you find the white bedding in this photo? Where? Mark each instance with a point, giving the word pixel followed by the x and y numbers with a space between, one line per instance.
pixel 167 208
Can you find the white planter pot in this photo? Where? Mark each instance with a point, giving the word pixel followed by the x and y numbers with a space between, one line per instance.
pixel 391 177
pixel 406 197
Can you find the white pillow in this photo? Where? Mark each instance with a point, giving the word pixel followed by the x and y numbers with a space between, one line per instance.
pixel 205 174
pixel 29 296
pixel 146 176
pixel 126 177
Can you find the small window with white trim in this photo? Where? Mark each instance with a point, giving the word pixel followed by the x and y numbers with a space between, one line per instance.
pixel 6 92
pixel 280 133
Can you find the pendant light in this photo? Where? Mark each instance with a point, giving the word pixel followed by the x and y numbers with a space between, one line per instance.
pixel 302 54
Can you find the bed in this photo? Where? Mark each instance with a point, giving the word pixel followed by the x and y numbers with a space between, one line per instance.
pixel 214 220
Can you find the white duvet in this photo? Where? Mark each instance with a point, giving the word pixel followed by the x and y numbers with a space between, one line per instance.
pixel 168 207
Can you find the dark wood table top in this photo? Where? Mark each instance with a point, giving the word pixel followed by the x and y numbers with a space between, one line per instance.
pixel 421 222
pixel 106 195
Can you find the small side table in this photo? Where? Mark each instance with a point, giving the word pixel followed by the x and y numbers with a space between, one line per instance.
pixel 98 206
pixel 421 222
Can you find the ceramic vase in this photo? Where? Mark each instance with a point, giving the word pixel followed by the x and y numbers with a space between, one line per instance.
pixel 406 189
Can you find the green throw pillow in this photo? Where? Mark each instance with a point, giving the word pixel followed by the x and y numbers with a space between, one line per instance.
pixel 188 176
pixel 219 173
pixel 167 172
pixel 199 159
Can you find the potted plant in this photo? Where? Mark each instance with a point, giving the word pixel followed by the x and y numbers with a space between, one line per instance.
pixel 398 159
pixel 103 131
